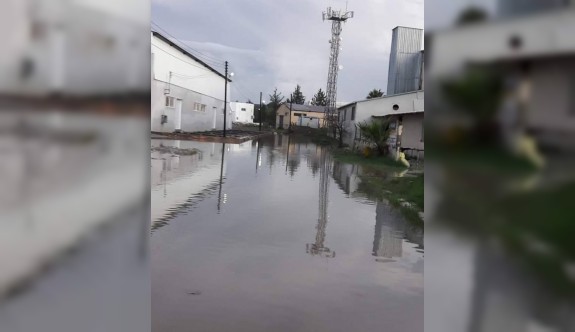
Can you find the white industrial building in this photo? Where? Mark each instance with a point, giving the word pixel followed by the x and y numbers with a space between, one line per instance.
pixel 74 48
pixel 404 102
pixel 243 112
pixel 406 109
pixel 535 51
pixel 187 94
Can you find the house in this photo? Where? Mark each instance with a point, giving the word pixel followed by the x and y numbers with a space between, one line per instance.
pixel 406 111
pixel 535 52
pixel 301 115
pixel 187 94
pixel 243 112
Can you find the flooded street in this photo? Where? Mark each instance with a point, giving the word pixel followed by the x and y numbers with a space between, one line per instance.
pixel 274 236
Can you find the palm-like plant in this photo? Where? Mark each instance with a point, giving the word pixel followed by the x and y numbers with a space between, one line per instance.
pixel 375 93
pixel 376 133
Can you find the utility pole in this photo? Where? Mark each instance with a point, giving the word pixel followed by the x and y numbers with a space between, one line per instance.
pixel 337 17
pixel 260 112
pixel 290 104
pixel 225 98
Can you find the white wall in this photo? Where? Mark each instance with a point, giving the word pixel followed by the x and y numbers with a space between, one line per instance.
pixel 548 33
pixel 190 82
pixel 544 37
pixel 244 116
pixel 412 131
pixel 80 49
pixel 185 71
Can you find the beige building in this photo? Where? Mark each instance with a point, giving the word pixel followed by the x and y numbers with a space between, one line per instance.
pixel 301 115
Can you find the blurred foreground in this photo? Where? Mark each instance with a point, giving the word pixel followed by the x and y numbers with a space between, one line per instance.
pixel 500 181
pixel 74 133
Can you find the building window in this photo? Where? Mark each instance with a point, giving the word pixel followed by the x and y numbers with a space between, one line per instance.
pixel 199 107
pixel 353 113
pixel 345 114
pixel 169 101
pixel 395 107
pixel 243 109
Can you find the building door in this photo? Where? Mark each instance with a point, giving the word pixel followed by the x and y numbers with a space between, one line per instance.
pixel 281 124
pixel 178 116
pixel 215 109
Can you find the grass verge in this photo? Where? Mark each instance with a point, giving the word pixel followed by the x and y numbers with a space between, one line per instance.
pixel 375 162
pixel 397 190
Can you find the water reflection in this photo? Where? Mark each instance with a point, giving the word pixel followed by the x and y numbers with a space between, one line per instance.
pixel 221 178
pixel 318 248
pixel 392 233
pixel 178 181
pixel 239 246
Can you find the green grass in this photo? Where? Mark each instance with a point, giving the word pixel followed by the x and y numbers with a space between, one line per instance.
pixel 317 136
pixel 375 162
pixel 396 190
pixel 520 220
pixel 378 182
pixel 482 159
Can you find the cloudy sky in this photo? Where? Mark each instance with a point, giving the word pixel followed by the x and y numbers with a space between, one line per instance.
pixel 283 43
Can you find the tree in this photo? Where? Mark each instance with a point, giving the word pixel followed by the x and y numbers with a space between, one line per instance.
pixel 375 93
pixel 477 93
pixel 275 100
pixel 297 96
pixel 471 15
pixel 376 133
pixel 319 99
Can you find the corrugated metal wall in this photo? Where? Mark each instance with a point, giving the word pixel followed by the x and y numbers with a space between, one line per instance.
pixel 405 60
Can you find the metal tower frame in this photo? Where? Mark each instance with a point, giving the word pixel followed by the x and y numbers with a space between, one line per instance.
pixel 337 17
pixel 318 247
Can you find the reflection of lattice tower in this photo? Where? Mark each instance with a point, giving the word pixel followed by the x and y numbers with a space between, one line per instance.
pixel 318 247
pixel 337 17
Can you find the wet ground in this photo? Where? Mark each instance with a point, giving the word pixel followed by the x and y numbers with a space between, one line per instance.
pixel 272 235
pixel 73 212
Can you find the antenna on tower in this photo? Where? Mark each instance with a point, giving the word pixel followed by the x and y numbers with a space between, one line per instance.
pixel 337 17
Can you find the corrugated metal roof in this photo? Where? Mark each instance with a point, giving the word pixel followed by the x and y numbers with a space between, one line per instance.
pixel 306 108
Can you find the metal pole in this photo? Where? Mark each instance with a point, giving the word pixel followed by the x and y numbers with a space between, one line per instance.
pixel 225 98
pixel 290 104
pixel 221 177
pixel 260 111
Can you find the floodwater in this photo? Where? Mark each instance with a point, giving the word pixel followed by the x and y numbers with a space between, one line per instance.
pixel 272 235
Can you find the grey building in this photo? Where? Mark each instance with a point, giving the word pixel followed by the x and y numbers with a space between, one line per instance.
pixel 405 61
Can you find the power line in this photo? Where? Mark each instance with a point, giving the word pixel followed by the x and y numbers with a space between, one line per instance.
pixel 217 61
pixel 209 57
pixel 190 63
pixel 240 92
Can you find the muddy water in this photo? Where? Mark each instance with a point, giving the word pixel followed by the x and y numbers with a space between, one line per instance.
pixel 273 236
